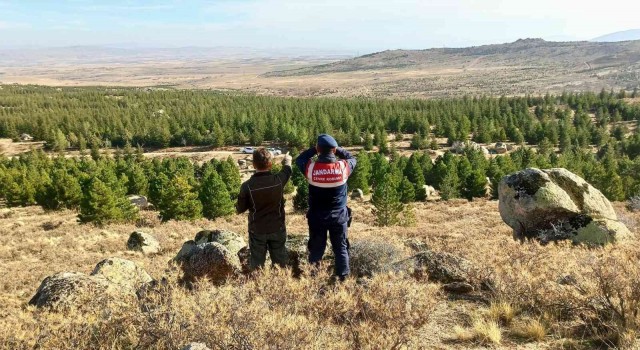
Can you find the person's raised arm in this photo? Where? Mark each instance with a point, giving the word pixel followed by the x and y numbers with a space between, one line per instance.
pixel 285 173
pixel 304 157
pixel 243 200
pixel 346 155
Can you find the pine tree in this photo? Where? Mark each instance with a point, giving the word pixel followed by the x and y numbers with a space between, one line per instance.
pixel 419 142
pixel 216 201
pixel 475 185
pixel 100 205
pixel 407 191
pixel 383 145
pixel 230 174
pixel 413 172
pixel 138 183
pixel 360 177
pixel 63 191
pixel 301 199
pixel 449 188
pixel 179 201
pixel 386 202
pixel 368 141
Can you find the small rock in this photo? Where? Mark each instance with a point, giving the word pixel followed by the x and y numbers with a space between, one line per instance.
pixel 144 242
pixel 51 225
pixel 430 192
pixel 196 346
pixel 416 245
pixel 357 194
pixel 139 201
pixel 458 287
pixel 6 213
pixel 443 267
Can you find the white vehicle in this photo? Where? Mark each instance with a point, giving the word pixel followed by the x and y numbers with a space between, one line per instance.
pixel 274 151
pixel 247 150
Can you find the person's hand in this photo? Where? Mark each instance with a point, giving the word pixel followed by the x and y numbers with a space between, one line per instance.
pixel 287 159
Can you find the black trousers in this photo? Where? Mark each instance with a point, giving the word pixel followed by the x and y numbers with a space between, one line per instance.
pixel 259 244
pixel 339 244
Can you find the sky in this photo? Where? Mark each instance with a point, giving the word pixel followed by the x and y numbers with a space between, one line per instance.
pixel 342 25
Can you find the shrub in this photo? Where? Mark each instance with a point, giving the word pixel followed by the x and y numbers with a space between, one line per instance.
pixel 374 255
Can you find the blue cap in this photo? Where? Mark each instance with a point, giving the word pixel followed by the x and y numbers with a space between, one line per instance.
pixel 325 140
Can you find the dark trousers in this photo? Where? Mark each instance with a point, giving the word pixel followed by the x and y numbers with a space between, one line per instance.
pixel 259 244
pixel 339 244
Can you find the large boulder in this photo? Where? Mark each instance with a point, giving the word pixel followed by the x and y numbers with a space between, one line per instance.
pixel 296 250
pixel 228 239
pixel 71 289
pixel 143 242
pixel 112 280
pixel 212 261
pixel 124 273
pixel 555 204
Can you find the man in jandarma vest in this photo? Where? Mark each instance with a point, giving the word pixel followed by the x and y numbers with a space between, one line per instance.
pixel 327 177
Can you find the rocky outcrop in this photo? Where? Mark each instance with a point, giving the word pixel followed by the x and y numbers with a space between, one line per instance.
pixel 143 242
pixel 230 240
pixel 555 204
pixel 71 289
pixel 211 261
pixel 123 273
pixel 112 279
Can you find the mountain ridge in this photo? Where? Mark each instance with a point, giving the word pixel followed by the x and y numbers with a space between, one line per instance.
pixel 522 52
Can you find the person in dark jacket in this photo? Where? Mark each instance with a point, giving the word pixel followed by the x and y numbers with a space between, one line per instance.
pixel 327 177
pixel 263 196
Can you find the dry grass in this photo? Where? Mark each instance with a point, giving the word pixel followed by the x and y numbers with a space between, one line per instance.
pixel 482 332
pixel 557 296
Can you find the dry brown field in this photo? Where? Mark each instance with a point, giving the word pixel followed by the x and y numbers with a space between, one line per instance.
pixel 529 308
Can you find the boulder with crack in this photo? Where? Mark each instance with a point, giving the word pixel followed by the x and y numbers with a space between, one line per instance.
pixel 555 204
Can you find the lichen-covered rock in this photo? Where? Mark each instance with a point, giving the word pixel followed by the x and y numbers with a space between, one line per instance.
pixel 139 201
pixel 185 251
pixel 143 242
pixel 416 245
pixel 230 240
pixel 196 346
pixel 443 267
pixel 556 204
pixel 210 260
pixel 357 194
pixel 124 273
pixel 72 290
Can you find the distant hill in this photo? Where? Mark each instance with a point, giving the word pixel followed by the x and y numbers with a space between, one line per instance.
pixel 523 53
pixel 632 34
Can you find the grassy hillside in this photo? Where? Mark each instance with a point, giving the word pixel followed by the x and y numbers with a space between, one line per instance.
pixel 543 297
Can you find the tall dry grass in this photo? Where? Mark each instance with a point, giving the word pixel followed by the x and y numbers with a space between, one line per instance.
pixel 554 296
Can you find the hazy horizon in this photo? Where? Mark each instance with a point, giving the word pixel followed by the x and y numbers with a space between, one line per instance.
pixel 355 26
